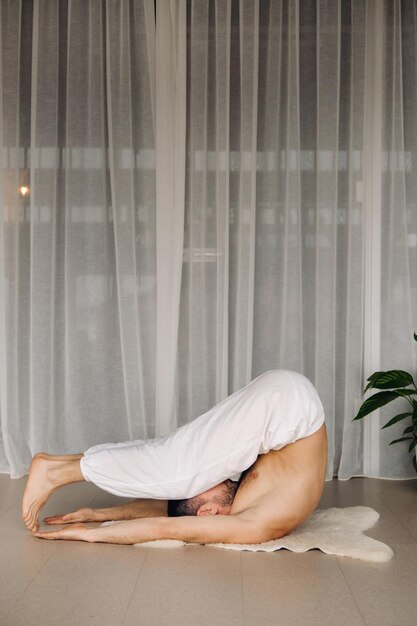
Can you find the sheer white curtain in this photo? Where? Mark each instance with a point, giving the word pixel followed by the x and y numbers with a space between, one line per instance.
pixel 209 199
pixel 78 281
pixel 398 210
pixel 273 268
pixel 284 156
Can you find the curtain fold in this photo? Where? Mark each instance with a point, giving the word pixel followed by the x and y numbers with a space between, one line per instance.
pixel 349 336
pixel 328 232
pixel 398 213
pixel 129 124
pixel 187 198
pixel 170 189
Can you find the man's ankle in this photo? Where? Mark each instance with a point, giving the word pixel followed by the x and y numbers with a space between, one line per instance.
pixel 64 473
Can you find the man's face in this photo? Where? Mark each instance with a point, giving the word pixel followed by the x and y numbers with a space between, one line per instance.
pixel 218 500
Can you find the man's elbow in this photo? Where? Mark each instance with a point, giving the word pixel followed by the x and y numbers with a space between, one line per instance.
pixel 271 534
pixel 258 534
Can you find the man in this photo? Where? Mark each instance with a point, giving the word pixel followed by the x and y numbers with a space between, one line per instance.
pixel 273 430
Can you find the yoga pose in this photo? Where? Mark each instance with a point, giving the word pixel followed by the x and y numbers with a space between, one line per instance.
pixel 250 470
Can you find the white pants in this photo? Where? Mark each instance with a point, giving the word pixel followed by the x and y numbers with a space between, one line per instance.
pixel 275 409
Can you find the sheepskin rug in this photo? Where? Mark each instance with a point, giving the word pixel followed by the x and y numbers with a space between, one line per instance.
pixel 337 531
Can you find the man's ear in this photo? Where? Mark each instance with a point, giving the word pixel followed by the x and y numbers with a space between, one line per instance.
pixel 208 508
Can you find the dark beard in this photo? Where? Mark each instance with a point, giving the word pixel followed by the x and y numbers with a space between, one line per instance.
pixel 226 499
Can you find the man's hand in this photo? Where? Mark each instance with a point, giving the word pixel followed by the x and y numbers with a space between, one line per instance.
pixel 76 532
pixel 82 515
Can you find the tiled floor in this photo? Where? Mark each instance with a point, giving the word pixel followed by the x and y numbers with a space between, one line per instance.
pixel 70 583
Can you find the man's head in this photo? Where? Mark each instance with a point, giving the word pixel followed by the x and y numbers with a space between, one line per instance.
pixel 215 501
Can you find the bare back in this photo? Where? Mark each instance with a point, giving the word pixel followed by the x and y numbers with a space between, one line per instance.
pixel 283 487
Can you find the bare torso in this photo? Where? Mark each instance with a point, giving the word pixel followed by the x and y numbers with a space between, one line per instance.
pixel 283 487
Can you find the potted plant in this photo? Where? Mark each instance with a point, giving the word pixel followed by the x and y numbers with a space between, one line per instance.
pixel 394 384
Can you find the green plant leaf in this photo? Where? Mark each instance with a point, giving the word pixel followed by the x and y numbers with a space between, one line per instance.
pixel 415 336
pixel 392 380
pixel 374 402
pixel 415 462
pixel 407 430
pixel 396 419
pixel 412 445
pixel 400 439
pixel 414 418
pixel 371 379
pixel 405 392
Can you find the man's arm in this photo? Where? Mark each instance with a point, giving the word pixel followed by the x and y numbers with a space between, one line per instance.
pixel 131 510
pixel 199 529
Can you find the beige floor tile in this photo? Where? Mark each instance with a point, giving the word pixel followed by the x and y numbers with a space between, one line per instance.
pixel 12 525
pixel 10 492
pixel 354 492
pixel 191 585
pixel 409 521
pixel 296 590
pixel 401 496
pixel 21 560
pixel 81 584
pixel 377 494
pixel 389 529
pixel 385 592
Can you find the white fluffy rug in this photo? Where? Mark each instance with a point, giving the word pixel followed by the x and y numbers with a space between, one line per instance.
pixel 333 531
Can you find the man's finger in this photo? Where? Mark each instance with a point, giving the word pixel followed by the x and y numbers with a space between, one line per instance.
pixel 78 532
pixel 63 519
pixel 49 535
pixel 55 519
pixel 60 534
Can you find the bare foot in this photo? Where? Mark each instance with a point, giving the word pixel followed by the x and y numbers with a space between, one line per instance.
pixel 47 473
